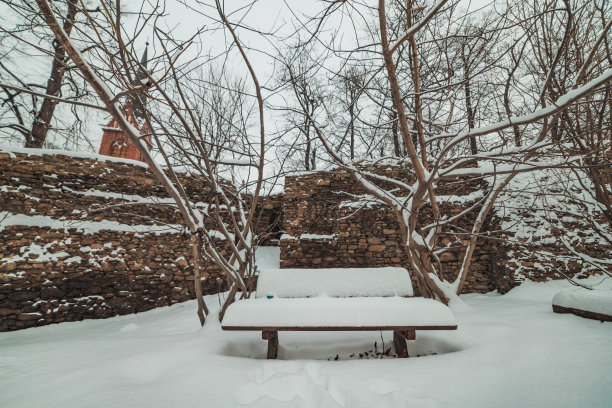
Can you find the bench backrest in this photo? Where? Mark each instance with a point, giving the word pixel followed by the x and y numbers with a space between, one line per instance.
pixel 340 282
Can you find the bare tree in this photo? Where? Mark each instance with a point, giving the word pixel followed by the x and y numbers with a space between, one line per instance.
pixel 224 112
pixel 425 101
pixel 582 35
pixel 297 72
pixel 222 231
pixel 29 107
pixel 412 50
pixel 351 83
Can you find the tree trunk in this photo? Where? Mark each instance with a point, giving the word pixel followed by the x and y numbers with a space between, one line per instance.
pixel 394 131
pixel 42 121
pixel 468 101
pixel 352 125
pixel 307 152
pixel 197 283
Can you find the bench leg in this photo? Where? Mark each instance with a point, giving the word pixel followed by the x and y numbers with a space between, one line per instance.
pixel 399 340
pixel 411 335
pixel 272 337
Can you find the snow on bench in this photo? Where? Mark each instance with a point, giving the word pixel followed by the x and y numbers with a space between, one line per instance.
pixel 299 283
pixel 321 313
pixel 337 300
pixel 591 304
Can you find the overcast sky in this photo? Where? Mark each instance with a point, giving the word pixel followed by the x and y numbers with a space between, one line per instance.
pixel 184 20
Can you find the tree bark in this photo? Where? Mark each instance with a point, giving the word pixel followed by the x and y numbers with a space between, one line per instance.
pixel 42 121
pixel 196 244
pixel 468 100
pixel 394 131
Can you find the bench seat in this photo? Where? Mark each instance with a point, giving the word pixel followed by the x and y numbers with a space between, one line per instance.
pixel 321 313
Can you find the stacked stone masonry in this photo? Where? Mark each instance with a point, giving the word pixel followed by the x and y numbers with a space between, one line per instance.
pixel 329 225
pixel 70 249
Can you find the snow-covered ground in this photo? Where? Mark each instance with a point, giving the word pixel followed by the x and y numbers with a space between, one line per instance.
pixel 509 351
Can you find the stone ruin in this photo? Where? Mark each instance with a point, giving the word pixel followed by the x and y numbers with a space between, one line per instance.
pixel 70 249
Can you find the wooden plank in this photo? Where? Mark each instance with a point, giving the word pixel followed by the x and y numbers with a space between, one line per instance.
pixel 339 328
pixel 582 313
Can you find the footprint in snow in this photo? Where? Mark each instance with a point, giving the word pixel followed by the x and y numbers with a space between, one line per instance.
pixel 129 327
pixel 388 394
pixel 301 385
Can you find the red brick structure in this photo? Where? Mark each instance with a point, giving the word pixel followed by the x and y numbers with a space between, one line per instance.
pixel 115 143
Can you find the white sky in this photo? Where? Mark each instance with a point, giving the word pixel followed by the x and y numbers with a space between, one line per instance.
pixel 265 15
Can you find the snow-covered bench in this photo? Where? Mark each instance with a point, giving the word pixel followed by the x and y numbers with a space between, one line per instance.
pixel 591 304
pixel 337 300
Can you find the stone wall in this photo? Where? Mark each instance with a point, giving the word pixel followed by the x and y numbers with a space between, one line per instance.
pixel 86 237
pixel 329 224
pixel 533 233
pixel 60 275
pixel 553 226
pixel 89 236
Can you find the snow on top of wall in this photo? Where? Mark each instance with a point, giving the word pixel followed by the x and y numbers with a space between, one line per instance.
pixel 461 199
pixel 328 167
pixel 90 227
pixel 308 236
pixel 80 155
pixel 121 196
pixel 268 188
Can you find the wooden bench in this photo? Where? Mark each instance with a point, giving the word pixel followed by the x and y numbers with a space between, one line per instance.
pixel 337 300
